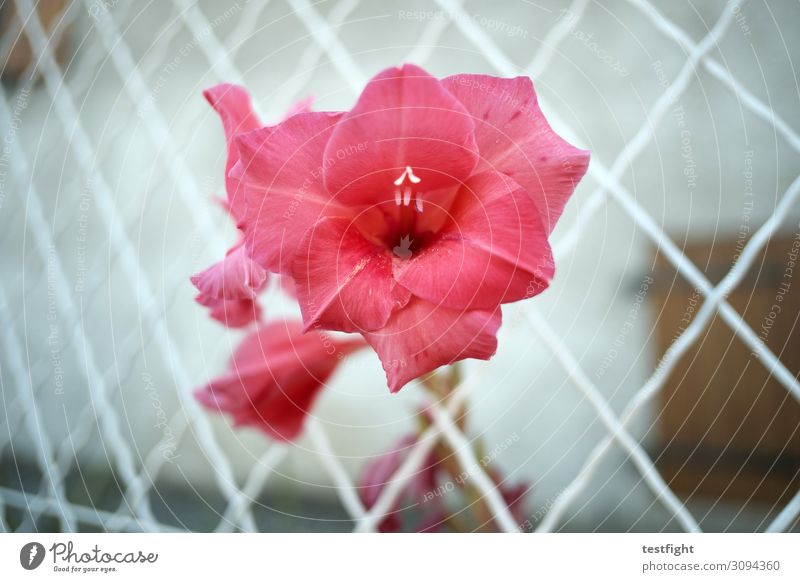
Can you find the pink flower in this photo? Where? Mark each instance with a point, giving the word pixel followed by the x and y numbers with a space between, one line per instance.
pixel 377 473
pixel 229 288
pixel 425 490
pixel 274 377
pixel 412 217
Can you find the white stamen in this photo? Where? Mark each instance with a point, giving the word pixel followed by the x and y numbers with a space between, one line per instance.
pixel 407 196
pixel 408 172
pixel 407 191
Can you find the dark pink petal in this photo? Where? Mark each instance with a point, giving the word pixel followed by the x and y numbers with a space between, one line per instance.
pixel 231 312
pixel 274 378
pixel 514 496
pixel 282 166
pixel 493 250
pixel 232 103
pixel 422 336
pixel 343 281
pixel 404 117
pixel 514 138
pixel 378 473
pixel 234 277
pixel 278 408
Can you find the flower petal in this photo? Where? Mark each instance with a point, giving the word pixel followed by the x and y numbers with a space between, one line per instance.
pixel 252 400
pixel 515 498
pixel 493 250
pixel 514 138
pixel 233 313
pixel 423 336
pixel 274 378
pixel 282 166
pixel 234 277
pixel 232 103
pixel 378 473
pixel 343 281
pixel 288 155
pixel 404 117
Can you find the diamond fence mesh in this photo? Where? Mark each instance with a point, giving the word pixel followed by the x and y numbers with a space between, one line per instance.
pixel 108 169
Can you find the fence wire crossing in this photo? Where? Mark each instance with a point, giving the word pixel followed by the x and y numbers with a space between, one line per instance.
pixel 106 42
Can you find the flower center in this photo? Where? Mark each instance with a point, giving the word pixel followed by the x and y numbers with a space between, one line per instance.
pixel 404 194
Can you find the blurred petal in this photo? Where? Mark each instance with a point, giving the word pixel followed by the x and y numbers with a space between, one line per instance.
pixel 232 103
pixel 274 378
pixel 379 472
pixel 234 277
pixel 231 312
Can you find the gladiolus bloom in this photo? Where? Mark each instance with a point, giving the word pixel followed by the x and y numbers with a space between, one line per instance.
pixel 379 471
pixel 413 217
pixel 274 377
pixel 425 490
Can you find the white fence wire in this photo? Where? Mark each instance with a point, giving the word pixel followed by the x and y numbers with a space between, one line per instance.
pixel 105 41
